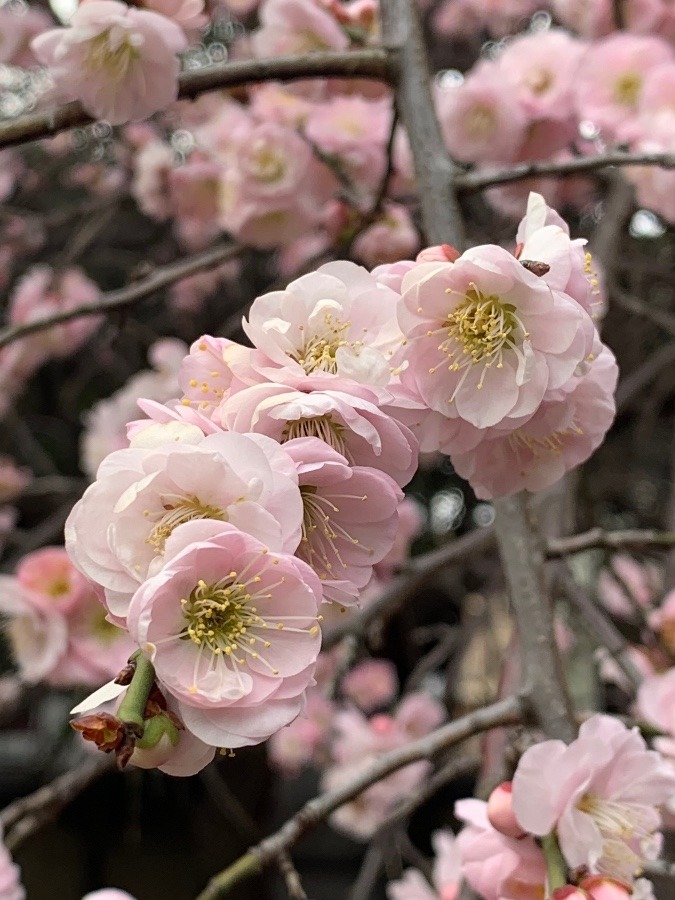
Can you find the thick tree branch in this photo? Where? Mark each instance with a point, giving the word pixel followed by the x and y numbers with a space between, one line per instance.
pixel 521 548
pixel 481 179
pixel 505 712
pixel 374 62
pixel 434 170
pixel 161 277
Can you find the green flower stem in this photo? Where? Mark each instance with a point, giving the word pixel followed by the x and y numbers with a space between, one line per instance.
pixel 555 862
pixel 132 709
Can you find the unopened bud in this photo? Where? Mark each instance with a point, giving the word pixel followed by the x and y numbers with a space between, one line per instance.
pixel 500 811
pixel 160 736
pixel 601 887
pixel 569 892
pixel 438 253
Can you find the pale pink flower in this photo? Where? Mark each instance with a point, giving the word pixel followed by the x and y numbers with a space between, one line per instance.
pixel 51 581
pixel 350 517
pixel 329 327
pixel 563 432
pixel 351 423
pixel 10 876
pixel 146 494
pixel 495 866
pixel 296 27
pixel 37 639
pixel 481 119
pixel 417 714
pixel 543 236
pixel 589 18
pixel 390 275
pixel 439 253
pixel 600 794
pixel 611 76
pixel 446 874
pixel 238 674
pixel 40 293
pixel 390 238
pixel 274 102
pixel 13 479
pixel 189 14
pixel 655 186
pixel 153 163
pixel 105 423
pixel 304 741
pixel 371 684
pixel 655 703
pixel 108 894
pixel 487 338
pixel 193 188
pixel 469 17
pixel 542 67
pixel 643 581
pixel 119 62
pixel 20 23
pixel 663 620
pixel 206 375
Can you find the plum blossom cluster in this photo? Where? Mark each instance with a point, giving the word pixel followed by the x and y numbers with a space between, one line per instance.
pixel 57 629
pixel 577 823
pixel 547 94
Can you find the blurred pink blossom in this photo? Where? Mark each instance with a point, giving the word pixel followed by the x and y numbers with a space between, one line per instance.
pixel 391 237
pixel 446 874
pixel 371 684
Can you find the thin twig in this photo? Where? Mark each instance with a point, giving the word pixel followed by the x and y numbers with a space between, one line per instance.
pixel 291 876
pixel 480 180
pixel 372 62
pixel 631 385
pixel 25 816
pixel 111 301
pixel 598 538
pixel 505 712
pixel 660 317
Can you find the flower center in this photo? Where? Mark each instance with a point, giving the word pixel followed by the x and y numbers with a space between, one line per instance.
pixel 539 81
pixel 481 122
pixel 319 352
pixel 58 587
pixel 551 443
pixel 322 427
pixel 624 827
pixel 479 330
pixel 177 511
pixel 627 89
pixel 267 165
pixel 113 51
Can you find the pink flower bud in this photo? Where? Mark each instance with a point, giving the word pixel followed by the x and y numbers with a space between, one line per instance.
pixel 569 892
pixel 500 811
pixel 439 253
pixel 600 887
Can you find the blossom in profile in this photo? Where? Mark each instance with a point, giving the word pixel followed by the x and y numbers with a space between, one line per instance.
pixel 446 874
pixel 231 628
pixel 118 61
pixel 350 518
pixel 600 794
pixel 108 894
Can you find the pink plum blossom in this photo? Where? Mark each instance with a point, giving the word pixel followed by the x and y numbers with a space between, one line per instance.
pixel 487 338
pixel 238 675
pixel 642 581
pixel 296 27
pixel 207 374
pixel 38 640
pixel 18 25
pixel 40 293
pixel 446 874
pixel 350 517
pixel 542 68
pixel 119 62
pixel 189 14
pixel 305 740
pixel 391 237
pixel 51 580
pixel 589 18
pixel 105 423
pixel 611 76
pixel 655 703
pixel 600 794
pixel 147 493
pixel 371 684
pixel 481 119
pixel 500 811
pixel 497 867
pixel 333 324
pixel 153 164
pixel 563 432
pixel 10 876
pixel 655 186
pixel 13 479
pixel 351 423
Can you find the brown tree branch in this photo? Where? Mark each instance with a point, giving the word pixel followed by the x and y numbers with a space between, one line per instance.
pixel 504 712
pixel 373 62
pixel 598 538
pixel 481 179
pixel 161 277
